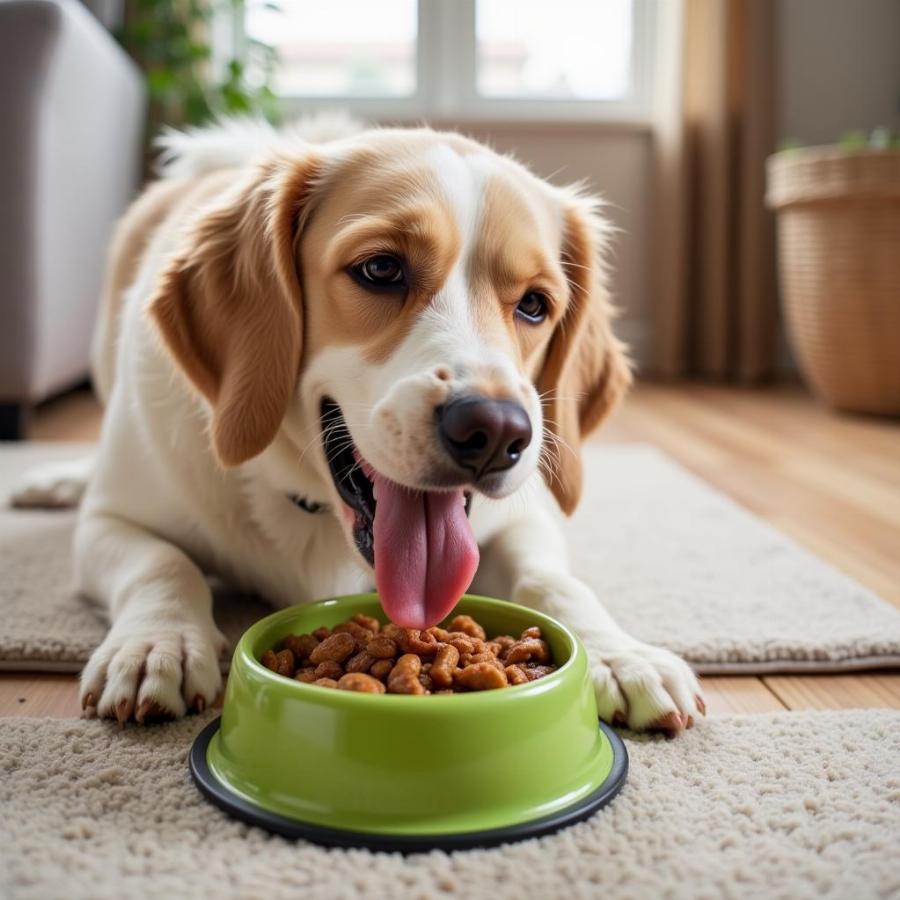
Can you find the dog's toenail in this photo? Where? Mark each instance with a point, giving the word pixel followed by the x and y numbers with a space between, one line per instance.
pixel 199 703
pixel 670 724
pixel 88 701
pixel 701 704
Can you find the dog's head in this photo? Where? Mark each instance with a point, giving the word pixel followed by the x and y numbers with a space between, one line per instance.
pixel 428 314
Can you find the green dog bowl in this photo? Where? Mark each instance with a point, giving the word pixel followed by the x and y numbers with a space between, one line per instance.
pixel 408 773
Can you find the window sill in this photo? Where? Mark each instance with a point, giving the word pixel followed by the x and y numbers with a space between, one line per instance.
pixel 536 126
pixel 500 124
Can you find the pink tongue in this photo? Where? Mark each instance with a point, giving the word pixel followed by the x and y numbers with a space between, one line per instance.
pixel 425 552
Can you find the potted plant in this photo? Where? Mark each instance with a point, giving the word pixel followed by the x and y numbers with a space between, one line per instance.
pixel 838 212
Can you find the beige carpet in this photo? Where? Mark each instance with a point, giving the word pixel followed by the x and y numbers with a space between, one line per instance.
pixel 793 805
pixel 676 562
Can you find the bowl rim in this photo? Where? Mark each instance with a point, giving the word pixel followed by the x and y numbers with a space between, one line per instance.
pixel 312 692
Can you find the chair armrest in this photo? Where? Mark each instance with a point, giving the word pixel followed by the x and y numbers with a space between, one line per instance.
pixel 72 109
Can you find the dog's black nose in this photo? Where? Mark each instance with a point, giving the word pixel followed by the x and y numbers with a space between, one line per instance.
pixel 484 435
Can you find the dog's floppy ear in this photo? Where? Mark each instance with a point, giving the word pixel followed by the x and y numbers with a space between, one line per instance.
pixel 586 370
pixel 229 309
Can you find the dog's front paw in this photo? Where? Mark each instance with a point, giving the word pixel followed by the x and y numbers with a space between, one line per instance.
pixel 644 687
pixel 150 672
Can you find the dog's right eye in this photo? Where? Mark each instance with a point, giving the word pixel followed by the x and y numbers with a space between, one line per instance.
pixel 381 271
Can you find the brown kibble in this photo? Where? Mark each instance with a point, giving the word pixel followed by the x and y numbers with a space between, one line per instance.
pixel 528 650
pixel 361 655
pixel 360 662
pixel 533 672
pixel 419 642
pixel 337 647
pixel 282 662
pixel 480 677
pixel 369 622
pixel 381 668
pixel 359 681
pixel 445 661
pixel 382 647
pixel 515 675
pixel 301 645
pixel 404 677
pixel 329 669
pixel 462 644
pixel 467 625
pixel 471 659
pixel 361 635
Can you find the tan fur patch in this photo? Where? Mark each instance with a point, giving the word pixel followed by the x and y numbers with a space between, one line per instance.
pixel 232 298
pixel 375 204
pixel 160 208
pixel 586 370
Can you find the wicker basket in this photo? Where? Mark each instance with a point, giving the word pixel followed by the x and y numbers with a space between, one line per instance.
pixel 839 266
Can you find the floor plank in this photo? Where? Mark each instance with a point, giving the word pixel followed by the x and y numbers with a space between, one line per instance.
pixel 74 416
pixel 856 691
pixel 33 694
pixel 738 694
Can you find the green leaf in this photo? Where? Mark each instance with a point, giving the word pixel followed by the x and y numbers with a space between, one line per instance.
pixel 160 81
pixel 853 140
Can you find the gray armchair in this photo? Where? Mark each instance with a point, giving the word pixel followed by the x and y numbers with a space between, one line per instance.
pixel 71 126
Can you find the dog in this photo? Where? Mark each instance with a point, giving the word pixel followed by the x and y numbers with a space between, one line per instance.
pixel 331 364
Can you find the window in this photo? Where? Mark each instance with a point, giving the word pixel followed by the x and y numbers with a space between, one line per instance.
pixel 460 59
pixel 339 48
pixel 566 49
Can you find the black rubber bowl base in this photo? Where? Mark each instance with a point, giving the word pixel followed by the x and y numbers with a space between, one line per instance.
pixel 241 808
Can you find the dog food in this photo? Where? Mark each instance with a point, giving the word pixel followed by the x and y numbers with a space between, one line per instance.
pixel 361 655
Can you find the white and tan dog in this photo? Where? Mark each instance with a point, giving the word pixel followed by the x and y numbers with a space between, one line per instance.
pixel 368 359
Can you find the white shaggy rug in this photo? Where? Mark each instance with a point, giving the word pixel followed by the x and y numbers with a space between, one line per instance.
pixel 792 805
pixel 677 563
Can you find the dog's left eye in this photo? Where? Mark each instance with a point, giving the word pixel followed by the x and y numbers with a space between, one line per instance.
pixel 533 307
pixel 381 271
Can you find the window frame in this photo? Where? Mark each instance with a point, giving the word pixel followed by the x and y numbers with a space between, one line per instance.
pixel 446 88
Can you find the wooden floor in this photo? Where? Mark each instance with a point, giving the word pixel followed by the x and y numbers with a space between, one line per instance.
pixel 830 481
